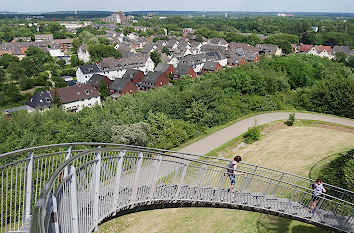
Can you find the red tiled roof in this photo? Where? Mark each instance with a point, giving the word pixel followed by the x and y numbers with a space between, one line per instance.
pixel 305 47
pixel 323 47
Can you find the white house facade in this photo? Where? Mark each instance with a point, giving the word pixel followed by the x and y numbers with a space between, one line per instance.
pixel 83 54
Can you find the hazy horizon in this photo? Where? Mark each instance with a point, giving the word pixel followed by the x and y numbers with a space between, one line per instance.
pixel 33 6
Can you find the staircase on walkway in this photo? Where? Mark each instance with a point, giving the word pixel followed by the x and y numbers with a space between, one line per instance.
pixel 75 187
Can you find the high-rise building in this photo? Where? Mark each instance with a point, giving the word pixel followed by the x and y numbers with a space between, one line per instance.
pixel 116 17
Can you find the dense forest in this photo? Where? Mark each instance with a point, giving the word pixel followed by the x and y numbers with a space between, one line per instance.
pixel 171 115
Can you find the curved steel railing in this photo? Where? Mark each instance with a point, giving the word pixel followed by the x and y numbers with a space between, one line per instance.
pixel 49 170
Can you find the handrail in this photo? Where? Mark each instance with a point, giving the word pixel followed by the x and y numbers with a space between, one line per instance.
pixel 42 163
pixel 154 149
pixel 38 218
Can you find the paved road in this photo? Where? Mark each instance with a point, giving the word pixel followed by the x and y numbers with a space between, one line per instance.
pixel 219 138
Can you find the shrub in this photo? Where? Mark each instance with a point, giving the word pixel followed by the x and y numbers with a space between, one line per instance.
pixel 339 171
pixel 291 120
pixel 253 134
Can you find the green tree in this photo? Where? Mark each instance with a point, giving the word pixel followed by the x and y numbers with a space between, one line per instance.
pixel 15 71
pixel 99 51
pixel 166 50
pixel 350 62
pixel 135 134
pixel 38 55
pixel 2 75
pixel 75 61
pixel 103 90
pixel 26 83
pixel 128 30
pixel 29 66
pixel 12 93
pixel 76 45
pixel 61 63
pixel 104 40
pixel 6 59
pixel 155 57
pixel 56 99
pixel 341 57
pixel 283 40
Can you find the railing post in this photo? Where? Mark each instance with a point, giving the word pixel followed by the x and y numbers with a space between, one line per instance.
pixel 248 180
pixel 199 180
pixel 181 180
pixel 29 186
pixel 155 171
pixel 117 178
pixel 276 187
pixel 289 202
pixel 67 169
pixel 96 187
pixel 73 197
pixel 251 178
pixel 137 178
pixel 317 207
pixel 55 224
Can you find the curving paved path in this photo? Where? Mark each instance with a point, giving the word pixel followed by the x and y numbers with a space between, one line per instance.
pixel 213 141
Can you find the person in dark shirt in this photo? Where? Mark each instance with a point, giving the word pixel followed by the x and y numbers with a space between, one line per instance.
pixel 232 172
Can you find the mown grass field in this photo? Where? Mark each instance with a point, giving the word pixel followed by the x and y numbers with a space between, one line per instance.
pixel 294 149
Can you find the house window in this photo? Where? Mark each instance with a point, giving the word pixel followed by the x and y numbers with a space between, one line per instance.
pixel 160 83
pixel 87 92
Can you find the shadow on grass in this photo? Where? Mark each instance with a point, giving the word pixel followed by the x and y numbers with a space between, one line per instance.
pixel 315 169
pixel 273 224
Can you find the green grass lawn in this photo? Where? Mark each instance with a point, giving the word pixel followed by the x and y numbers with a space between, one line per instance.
pixel 293 149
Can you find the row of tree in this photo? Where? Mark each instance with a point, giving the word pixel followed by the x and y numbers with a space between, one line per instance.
pixel 171 115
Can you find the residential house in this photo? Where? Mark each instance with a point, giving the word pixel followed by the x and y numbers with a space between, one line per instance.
pixel 96 79
pixel 21 39
pixel 217 57
pixel 251 57
pixel 85 72
pixel 339 48
pixel 55 51
pixel 122 86
pixel 305 48
pixel 75 98
pixel 109 68
pixel 43 37
pixel 172 44
pixel 143 63
pixel 218 42
pixel 236 60
pixel 153 80
pixel 148 49
pixel 41 100
pixel 160 44
pixel 135 76
pixel 211 67
pixel 195 61
pixel 235 45
pixel 321 51
pixel 184 70
pixel 83 54
pixel 165 68
pixel 295 48
pixel 268 49
pixel 64 44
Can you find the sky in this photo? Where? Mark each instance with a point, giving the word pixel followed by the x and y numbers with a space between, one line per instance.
pixel 346 6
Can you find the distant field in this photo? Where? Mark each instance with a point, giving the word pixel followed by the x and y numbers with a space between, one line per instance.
pixel 293 149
